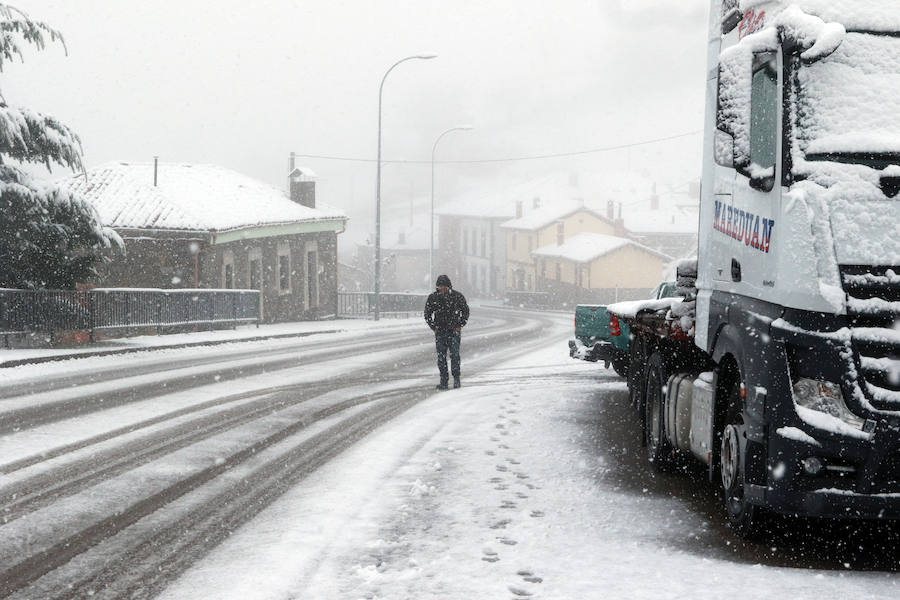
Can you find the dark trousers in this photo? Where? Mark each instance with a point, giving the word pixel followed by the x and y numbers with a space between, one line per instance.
pixel 444 340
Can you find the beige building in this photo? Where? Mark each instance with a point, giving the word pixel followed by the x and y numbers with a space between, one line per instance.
pixel 597 268
pixel 544 226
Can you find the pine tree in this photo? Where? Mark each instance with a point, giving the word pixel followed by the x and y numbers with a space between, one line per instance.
pixel 49 237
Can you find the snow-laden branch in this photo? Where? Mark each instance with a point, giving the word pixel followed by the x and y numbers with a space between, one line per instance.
pixel 30 136
pixel 16 27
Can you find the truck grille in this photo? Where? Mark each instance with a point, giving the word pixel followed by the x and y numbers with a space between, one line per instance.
pixel 873 310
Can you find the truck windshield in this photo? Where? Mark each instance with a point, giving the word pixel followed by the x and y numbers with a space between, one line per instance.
pixel 847 104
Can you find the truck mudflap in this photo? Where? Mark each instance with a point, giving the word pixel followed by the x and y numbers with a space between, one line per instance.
pixel 598 351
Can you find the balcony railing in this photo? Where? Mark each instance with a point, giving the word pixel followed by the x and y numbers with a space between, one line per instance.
pixel 362 304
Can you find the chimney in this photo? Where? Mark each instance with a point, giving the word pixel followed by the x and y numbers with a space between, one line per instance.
pixel 610 210
pixel 518 209
pixel 654 199
pixel 302 185
pixel 536 203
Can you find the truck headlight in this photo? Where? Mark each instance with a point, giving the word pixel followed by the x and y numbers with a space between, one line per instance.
pixel 825 397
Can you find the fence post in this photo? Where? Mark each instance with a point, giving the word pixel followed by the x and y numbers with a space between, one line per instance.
pixel 159 302
pixel 91 318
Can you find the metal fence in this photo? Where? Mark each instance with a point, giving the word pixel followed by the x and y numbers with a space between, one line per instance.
pixel 27 311
pixel 362 304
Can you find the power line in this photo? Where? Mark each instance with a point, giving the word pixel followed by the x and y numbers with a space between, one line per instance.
pixel 508 159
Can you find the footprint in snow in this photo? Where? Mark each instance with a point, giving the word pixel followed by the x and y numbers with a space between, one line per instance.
pixel 490 452
pixel 519 592
pixel 521 475
pixel 502 468
pixel 521 495
pixel 495 480
pixel 495 439
pixel 515 422
pixel 503 447
pixel 529 576
pixel 500 426
pixel 501 524
pixel 507 541
pixel 513 461
pixel 489 555
pixel 537 513
pixel 508 504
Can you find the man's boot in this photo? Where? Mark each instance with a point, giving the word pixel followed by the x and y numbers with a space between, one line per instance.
pixel 456 383
pixel 441 386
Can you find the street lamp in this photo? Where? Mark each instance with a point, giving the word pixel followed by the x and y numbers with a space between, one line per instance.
pixel 423 56
pixel 433 148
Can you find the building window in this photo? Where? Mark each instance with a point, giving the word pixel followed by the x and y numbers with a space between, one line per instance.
pixel 483 242
pixel 284 268
pixel 560 233
pixel 254 270
pixel 228 270
pixel 558 271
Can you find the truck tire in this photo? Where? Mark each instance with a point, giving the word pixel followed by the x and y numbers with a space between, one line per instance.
pixel 659 450
pixel 745 519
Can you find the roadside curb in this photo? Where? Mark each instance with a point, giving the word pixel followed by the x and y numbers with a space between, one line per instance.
pixel 111 352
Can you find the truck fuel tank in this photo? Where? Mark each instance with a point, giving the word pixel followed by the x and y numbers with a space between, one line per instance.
pixel 689 413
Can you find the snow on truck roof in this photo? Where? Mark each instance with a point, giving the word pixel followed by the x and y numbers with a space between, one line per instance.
pixel 189 197
pixel 855 15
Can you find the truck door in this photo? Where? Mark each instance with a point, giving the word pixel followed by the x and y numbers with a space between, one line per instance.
pixel 749 118
pixel 757 189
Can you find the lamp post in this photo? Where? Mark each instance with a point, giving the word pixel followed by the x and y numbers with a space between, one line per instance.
pixel 431 235
pixel 423 56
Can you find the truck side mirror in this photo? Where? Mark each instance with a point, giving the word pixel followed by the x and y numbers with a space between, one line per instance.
pixel 724 149
pixel 762 179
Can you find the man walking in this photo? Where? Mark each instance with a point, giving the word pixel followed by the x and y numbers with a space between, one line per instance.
pixel 446 312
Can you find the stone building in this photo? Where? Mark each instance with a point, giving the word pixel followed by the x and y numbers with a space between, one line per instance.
pixel 204 226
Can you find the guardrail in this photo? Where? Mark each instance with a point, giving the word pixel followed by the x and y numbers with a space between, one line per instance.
pixel 29 311
pixel 362 304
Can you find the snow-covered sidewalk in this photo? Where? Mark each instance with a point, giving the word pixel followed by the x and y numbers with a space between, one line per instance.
pixel 18 356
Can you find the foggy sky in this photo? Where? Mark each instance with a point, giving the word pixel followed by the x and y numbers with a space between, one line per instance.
pixel 243 84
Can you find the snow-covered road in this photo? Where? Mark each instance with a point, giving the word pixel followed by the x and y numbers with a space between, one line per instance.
pixel 351 478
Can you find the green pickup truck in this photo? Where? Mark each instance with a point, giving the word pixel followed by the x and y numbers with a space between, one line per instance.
pixel 601 336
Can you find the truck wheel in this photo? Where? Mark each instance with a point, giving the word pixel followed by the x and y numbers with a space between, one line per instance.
pixel 659 450
pixel 747 520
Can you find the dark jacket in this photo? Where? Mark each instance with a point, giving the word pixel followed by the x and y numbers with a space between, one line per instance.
pixel 446 311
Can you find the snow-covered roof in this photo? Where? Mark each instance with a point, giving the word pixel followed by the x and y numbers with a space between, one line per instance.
pixel 587 247
pixel 547 215
pixel 189 197
pixel 669 220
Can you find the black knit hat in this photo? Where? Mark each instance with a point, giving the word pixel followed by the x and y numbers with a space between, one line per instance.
pixel 443 280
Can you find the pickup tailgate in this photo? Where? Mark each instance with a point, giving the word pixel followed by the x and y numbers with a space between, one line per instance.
pixel 592 325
